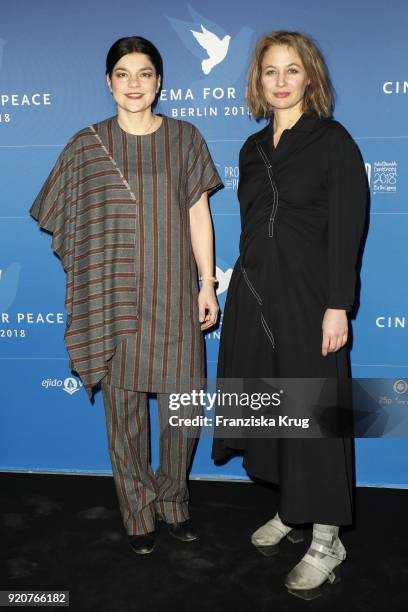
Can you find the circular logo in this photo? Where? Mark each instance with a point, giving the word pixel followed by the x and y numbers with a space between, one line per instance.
pixel 400 386
pixel 71 385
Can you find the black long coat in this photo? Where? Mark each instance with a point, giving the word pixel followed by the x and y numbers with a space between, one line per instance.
pixel 303 208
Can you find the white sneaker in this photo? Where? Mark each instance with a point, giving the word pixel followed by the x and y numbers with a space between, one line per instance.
pixel 266 539
pixel 319 565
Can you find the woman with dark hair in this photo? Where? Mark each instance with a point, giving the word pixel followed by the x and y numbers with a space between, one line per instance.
pixel 127 204
pixel 303 200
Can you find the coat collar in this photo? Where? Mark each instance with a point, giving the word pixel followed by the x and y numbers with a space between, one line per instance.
pixel 290 140
pixel 306 123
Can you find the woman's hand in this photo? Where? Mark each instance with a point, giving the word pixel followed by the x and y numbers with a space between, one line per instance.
pixel 207 301
pixel 335 330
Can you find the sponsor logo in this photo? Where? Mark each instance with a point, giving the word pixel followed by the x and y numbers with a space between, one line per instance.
pixel 382 176
pixel 70 384
pixel 231 177
pixel 395 400
pixel 400 386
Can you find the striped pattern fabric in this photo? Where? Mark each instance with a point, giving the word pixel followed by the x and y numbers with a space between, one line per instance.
pixel 143 494
pixel 120 227
pixel 168 171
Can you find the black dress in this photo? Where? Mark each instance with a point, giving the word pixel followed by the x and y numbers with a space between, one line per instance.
pixel 303 208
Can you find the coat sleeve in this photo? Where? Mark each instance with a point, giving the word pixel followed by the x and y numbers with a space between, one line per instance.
pixel 347 204
pixel 54 208
pixel 202 174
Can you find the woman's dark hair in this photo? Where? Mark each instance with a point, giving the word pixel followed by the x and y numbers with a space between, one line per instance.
pixel 134 44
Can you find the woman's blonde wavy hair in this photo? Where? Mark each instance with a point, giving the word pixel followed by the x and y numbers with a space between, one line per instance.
pixel 319 95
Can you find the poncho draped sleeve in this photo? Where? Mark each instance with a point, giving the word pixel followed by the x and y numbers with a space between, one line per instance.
pixel 89 209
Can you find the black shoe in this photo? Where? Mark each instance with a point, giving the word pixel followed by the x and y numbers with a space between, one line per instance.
pixel 142 544
pixel 182 531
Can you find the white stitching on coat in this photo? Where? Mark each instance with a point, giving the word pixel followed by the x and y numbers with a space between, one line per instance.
pixel 250 285
pixel 259 300
pixel 274 188
pixel 267 330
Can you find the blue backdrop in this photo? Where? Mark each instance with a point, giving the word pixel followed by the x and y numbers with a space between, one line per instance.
pixel 52 84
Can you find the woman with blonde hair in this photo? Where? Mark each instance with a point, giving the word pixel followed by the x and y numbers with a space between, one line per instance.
pixel 303 201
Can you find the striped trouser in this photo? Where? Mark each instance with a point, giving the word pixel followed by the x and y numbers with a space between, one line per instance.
pixel 142 493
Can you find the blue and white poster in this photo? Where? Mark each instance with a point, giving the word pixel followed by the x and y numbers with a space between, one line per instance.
pixel 52 83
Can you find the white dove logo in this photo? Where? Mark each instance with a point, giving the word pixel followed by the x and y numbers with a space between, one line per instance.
pixel 223 279
pixel 216 48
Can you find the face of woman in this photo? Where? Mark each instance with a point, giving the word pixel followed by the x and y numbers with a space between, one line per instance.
pixel 284 79
pixel 134 82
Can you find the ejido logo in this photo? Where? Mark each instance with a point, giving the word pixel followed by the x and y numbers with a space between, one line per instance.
pixel 71 385
pixel 400 386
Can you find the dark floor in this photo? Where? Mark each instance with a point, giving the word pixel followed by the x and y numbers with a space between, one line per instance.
pixel 65 532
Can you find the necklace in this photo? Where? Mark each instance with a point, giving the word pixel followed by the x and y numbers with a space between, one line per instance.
pixel 153 120
pixel 150 126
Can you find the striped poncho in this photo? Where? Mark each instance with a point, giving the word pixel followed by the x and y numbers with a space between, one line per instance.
pixel 92 212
